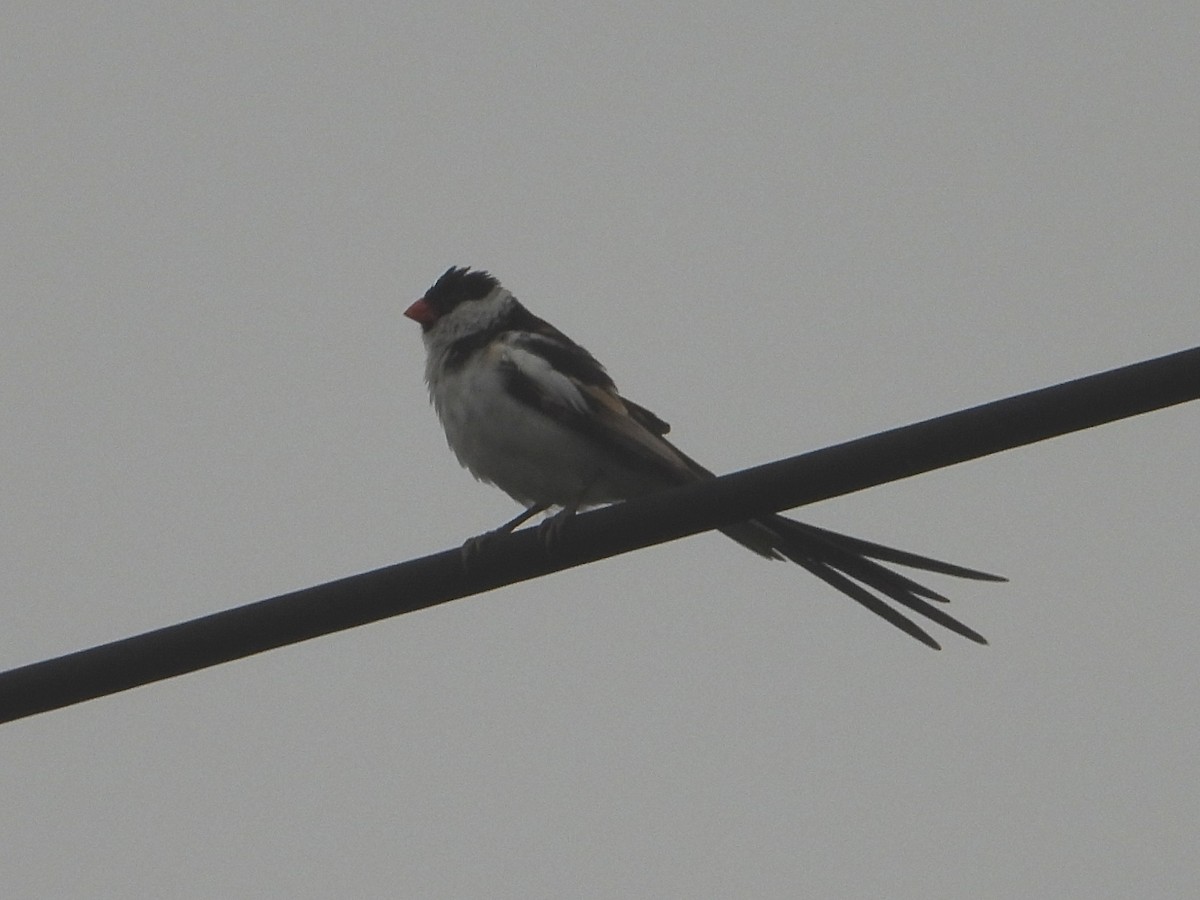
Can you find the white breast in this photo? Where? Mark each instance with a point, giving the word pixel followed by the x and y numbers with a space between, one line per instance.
pixel 507 443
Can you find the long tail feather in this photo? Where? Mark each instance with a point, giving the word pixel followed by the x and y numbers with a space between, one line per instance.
pixel 849 565
pixel 891 554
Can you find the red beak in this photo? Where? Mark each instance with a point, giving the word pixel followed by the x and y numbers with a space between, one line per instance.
pixel 421 312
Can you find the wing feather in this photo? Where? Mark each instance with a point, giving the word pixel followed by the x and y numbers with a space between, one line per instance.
pixel 579 400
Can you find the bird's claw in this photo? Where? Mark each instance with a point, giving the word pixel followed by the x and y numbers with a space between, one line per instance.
pixel 550 533
pixel 475 548
pixel 551 530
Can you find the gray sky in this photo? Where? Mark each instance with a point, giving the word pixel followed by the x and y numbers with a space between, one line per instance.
pixel 780 226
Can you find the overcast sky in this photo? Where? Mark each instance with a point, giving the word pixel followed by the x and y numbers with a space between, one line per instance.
pixel 780 226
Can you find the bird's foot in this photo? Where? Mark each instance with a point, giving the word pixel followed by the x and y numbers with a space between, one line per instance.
pixel 551 530
pixel 476 548
pixel 473 549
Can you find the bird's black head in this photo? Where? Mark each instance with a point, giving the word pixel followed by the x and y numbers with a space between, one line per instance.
pixel 457 286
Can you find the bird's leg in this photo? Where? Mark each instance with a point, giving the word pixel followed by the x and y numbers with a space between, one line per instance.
pixel 473 547
pixel 550 531
pixel 521 519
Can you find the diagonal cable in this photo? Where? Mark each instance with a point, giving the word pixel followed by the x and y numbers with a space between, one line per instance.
pixel 428 581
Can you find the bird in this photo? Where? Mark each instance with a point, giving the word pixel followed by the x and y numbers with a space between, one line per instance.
pixel 530 411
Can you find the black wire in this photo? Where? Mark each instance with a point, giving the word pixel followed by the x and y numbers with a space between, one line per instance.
pixel 428 581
